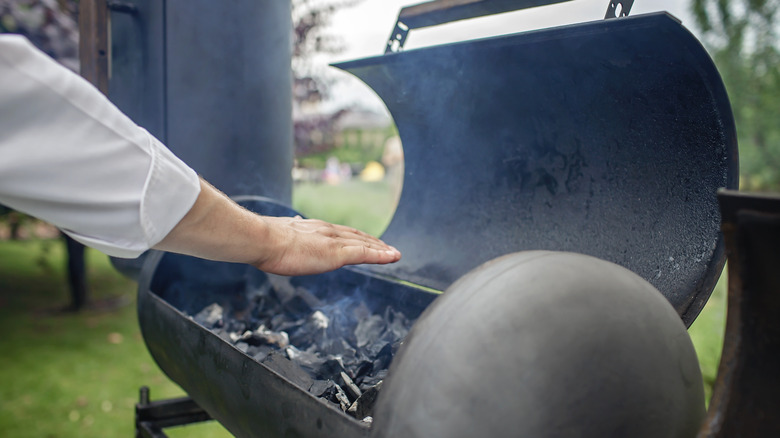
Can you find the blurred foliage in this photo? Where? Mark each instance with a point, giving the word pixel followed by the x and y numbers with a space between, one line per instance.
pixel 310 19
pixel 51 25
pixel 313 132
pixel 742 37
pixel 358 151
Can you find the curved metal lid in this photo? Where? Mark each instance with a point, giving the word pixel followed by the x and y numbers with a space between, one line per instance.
pixel 607 138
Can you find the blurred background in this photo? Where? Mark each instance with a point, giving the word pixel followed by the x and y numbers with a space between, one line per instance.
pixel 73 358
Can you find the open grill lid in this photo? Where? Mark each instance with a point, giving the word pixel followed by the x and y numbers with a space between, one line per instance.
pixel 607 138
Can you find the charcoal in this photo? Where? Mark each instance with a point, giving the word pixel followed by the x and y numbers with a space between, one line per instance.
pixel 209 316
pixel 331 368
pixel 288 369
pixel 265 305
pixel 295 300
pixel 309 361
pixel 297 306
pixel 349 386
pixel 398 325
pixel 261 352
pixel 341 326
pixel 336 347
pixel 364 405
pixel 281 287
pixel 257 292
pixel 332 392
pixel 224 334
pixel 369 329
pixel 342 399
pixel 331 388
pixel 302 302
pixel 378 348
pixel 360 311
pixel 373 380
pixel 283 322
pixel 243 346
pixel 263 336
pixel 361 370
pixel 383 357
pixel 340 350
pixel 234 325
pixel 313 331
pixel 320 387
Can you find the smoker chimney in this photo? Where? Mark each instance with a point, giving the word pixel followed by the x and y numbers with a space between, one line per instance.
pixel 213 82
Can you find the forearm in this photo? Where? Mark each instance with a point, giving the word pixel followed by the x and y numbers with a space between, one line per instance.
pixel 217 228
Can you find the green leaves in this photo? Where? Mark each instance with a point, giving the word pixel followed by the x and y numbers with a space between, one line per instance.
pixel 742 37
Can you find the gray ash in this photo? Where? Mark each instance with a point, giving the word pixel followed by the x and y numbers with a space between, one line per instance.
pixel 338 349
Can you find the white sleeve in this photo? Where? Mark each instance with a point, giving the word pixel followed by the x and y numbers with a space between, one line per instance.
pixel 70 157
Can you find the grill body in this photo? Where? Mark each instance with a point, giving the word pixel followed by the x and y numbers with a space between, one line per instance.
pixel 245 396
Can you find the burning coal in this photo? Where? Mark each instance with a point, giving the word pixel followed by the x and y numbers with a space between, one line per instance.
pixel 338 349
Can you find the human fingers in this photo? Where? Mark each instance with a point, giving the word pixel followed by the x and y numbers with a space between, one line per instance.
pixel 342 232
pixel 348 246
pixel 359 254
pixel 370 242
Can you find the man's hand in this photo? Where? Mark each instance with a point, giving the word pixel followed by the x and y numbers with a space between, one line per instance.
pixel 217 228
pixel 306 246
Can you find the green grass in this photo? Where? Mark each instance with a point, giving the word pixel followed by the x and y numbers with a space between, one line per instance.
pixel 707 334
pixel 65 374
pixel 77 375
pixel 365 206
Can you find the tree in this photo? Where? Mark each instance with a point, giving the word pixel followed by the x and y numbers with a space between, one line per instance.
pixel 51 25
pixel 313 132
pixel 742 36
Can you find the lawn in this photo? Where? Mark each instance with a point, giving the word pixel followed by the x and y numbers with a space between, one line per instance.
pixel 78 375
pixel 367 206
pixel 65 374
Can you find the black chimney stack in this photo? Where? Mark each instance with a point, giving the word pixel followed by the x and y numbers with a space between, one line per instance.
pixel 212 81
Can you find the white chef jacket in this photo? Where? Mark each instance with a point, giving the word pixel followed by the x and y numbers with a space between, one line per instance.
pixel 70 157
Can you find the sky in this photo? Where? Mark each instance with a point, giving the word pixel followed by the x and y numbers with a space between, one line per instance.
pixel 365 28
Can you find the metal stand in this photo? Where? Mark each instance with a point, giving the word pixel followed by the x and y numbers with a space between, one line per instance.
pixel 744 397
pixel 152 417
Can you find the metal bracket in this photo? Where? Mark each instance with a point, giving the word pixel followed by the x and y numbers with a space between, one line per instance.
pixel 122 7
pixel 619 8
pixel 397 38
pixel 151 417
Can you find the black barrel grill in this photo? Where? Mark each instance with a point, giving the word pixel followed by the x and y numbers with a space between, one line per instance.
pixel 608 138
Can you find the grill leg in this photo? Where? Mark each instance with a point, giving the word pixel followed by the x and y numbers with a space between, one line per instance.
pixel 151 417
